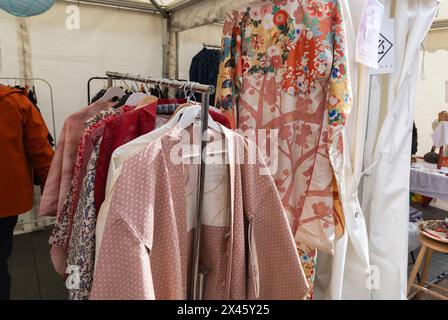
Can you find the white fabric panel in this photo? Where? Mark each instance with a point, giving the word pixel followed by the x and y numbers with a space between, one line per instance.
pixel 191 42
pixel 203 13
pixel 344 276
pixel 431 91
pixel 108 39
pixel 386 191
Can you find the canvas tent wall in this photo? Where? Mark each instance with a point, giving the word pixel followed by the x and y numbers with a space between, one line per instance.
pixel 432 87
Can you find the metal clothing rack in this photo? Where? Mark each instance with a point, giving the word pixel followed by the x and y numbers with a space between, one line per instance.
pixel 206 90
pixel 211 46
pixel 89 91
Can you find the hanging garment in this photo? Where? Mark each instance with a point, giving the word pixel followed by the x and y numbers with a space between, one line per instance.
pixel 81 249
pixel 61 233
pixel 284 67
pixel 118 130
pixel 118 158
pixel 121 130
pixel 146 249
pixel 204 69
pixel 24 147
pixel 61 170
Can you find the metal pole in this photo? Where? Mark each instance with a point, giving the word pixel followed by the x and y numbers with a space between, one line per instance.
pixel 159 8
pixel 110 81
pixel 198 280
pixel 88 86
pixel 197 87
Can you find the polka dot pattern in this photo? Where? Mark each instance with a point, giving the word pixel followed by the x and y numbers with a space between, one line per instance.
pixel 146 251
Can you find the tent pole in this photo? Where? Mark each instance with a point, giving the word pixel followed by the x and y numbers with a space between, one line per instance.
pixel 159 8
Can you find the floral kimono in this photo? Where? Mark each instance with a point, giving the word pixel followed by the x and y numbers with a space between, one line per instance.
pixel 284 68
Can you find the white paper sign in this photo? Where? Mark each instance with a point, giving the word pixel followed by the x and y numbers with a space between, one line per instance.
pixel 386 48
pixel 369 34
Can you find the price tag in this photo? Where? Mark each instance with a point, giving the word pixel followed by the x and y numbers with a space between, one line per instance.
pixel 386 48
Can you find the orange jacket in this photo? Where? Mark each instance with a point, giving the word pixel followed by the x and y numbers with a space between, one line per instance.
pixel 24 146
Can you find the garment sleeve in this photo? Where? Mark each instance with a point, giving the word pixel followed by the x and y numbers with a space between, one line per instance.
pixel 275 271
pixel 102 168
pixel 194 76
pixel 123 269
pixel 339 104
pixel 230 68
pixel 50 197
pixel 38 149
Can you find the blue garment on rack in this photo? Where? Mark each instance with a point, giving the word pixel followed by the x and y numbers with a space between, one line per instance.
pixel 205 69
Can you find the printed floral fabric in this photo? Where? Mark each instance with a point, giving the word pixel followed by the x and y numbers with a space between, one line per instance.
pixel 61 233
pixel 284 67
pixel 81 250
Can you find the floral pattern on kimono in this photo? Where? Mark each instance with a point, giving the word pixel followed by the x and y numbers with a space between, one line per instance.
pixel 81 250
pixel 284 68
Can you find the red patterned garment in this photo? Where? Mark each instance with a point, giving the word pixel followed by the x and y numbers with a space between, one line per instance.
pixel 284 68
pixel 117 132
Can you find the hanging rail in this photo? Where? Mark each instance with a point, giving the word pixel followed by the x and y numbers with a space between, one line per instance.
pixel 197 285
pixel 176 84
pixel 213 46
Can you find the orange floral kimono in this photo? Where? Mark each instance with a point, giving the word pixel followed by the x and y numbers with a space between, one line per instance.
pixel 284 69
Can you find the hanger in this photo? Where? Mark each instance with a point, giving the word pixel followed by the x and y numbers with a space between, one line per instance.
pixel 192 114
pixel 113 93
pixel 148 99
pixel 135 98
pixel 186 104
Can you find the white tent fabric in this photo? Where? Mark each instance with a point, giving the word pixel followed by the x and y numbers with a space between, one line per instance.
pixel 343 275
pixel 203 13
pixel 386 190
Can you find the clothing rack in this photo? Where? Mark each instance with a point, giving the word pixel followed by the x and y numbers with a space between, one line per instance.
pixel 211 46
pixel 89 85
pixel 197 285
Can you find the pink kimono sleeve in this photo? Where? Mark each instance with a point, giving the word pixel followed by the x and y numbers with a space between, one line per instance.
pixel 50 197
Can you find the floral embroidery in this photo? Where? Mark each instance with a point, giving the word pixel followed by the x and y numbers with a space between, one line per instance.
pixel 284 67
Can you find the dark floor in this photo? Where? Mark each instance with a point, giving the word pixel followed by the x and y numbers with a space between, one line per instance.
pixel 32 273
